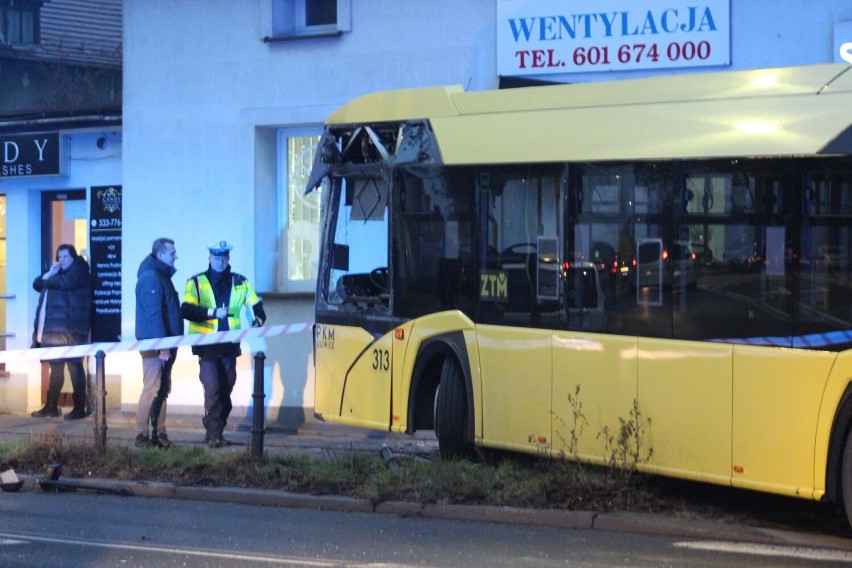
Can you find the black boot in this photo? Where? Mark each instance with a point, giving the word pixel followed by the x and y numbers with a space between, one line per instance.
pixel 47 412
pixel 79 407
pixel 51 399
pixel 51 402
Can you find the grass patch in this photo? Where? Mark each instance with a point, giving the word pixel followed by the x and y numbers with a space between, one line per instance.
pixel 514 481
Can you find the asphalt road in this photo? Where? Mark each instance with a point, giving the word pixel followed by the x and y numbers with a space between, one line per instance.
pixel 64 529
pixel 723 514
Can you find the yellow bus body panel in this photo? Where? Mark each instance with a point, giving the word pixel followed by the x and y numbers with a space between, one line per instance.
pixel 353 376
pixel 516 369
pixel 841 376
pixel 329 359
pixel 405 355
pixel 777 398
pixel 714 412
pixel 685 393
pixel 603 367
pixel 401 382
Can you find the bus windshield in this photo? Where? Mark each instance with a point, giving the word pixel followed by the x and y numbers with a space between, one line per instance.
pixel 430 263
pixel 357 274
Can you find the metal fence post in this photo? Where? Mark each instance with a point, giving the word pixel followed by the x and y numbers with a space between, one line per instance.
pixel 257 427
pixel 100 402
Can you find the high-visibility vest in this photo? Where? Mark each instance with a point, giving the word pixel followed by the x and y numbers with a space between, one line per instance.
pixel 200 292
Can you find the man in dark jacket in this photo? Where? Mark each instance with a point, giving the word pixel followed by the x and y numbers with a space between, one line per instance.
pixel 157 315
pixel 63 317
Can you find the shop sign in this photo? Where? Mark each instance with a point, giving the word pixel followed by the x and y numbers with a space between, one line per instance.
pixel 30 155
pixel 105 258
pixel 843 42
pixel 556 37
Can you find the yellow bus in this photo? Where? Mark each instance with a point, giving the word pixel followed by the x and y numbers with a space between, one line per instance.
pixel 675 245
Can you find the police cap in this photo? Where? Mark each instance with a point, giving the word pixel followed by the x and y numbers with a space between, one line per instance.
pixel 222 248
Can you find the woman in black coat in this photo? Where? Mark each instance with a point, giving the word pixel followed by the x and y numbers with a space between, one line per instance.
pixel 64 318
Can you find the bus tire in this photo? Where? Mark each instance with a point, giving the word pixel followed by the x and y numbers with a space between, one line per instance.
pixel 846 477
pixel 451 413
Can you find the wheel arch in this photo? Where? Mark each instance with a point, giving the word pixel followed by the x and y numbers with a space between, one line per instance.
pixel 427 375
pixel 839 431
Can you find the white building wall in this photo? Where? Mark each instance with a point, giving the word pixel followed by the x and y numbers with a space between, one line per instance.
pixel 203 96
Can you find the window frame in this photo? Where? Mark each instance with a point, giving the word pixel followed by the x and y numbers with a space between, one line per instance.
pixel 284 283
pixel 289 19
pixel 19 9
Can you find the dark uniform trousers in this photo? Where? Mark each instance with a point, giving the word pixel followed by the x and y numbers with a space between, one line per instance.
pixel 218 376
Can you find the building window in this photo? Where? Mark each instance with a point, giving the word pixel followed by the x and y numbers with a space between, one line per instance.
pixel 309 18
pixel 320 13
pixel 301 215
pixel 19 20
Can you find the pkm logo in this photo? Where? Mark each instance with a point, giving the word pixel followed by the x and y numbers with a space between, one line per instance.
pixel 324 337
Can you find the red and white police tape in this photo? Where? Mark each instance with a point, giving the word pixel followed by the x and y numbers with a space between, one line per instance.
pixel 70 351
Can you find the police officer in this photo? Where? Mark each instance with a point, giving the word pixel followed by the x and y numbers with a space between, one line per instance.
pixel 213 301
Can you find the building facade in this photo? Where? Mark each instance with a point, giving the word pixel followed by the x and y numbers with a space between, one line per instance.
pixel 60 143
pixel 223 102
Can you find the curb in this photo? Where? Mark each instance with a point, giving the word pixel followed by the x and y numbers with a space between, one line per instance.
pixel 577 520
pixel 273 498
pixel 641 523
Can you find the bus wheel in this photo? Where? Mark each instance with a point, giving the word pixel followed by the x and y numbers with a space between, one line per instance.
pixel 451 413
pixel 846 477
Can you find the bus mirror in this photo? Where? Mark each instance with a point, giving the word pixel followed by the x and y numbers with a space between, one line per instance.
pixel 327 153
pixel 340 257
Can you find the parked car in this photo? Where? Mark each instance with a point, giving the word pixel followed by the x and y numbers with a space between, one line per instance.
pixel 666 267
pixel 614 270
pixel 683 260
pixel 703 254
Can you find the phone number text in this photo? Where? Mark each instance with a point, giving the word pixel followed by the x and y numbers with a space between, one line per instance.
pixel 627 54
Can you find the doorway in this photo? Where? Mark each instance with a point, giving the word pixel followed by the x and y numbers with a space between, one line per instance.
pixel 64 219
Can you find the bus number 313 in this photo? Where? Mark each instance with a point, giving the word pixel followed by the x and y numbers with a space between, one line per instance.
pixel 381 359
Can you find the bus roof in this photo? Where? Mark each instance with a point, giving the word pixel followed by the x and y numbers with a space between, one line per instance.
pixel 767 112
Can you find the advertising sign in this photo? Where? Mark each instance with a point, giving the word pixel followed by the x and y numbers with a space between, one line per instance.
pixel 105 258
pixel 843 42
pixel 557 37
pixel 31 155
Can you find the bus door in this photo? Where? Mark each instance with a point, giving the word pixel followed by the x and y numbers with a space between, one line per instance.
pixel 519 303
pixel 594 369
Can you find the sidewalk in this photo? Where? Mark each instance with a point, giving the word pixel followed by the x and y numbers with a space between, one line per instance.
pixel 312 437
pixel 325 440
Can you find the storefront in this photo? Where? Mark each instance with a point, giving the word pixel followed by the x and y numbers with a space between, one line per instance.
pixel 51 173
